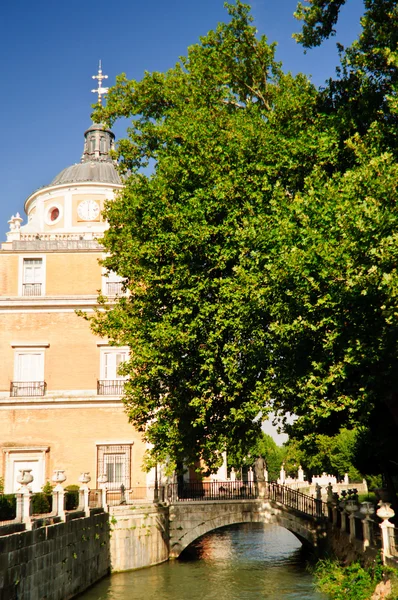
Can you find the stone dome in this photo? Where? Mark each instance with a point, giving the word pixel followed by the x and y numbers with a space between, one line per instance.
pixel 101 171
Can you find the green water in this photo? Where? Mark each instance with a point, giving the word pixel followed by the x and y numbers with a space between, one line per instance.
pixel 246 562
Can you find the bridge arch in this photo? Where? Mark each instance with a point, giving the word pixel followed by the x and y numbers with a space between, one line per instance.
pixel 190 521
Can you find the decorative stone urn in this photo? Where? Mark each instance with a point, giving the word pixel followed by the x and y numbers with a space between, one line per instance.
pixel 85 478
pixel 102 478
pixel 351 506
pixel 367 509
pixel 26 477
pixel 59 476
pixel 385 511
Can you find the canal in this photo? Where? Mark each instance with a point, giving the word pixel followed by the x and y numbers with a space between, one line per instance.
pixel 245 562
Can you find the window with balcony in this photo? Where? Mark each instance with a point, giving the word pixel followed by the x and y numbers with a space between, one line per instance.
pixel 111 382
pixel 32 277
pixel 112 284
pixel 115 462
pixel 28 373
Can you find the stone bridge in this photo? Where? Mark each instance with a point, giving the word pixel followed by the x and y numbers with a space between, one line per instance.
pixel 191 518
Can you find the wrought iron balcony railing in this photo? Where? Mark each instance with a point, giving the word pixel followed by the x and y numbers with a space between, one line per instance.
pixel 27 388
pixel 114 288
pixel 110 387
pixel 31 289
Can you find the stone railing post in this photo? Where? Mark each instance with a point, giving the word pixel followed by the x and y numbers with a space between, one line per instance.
pixel 385 512
pixel 366 509
pixel 59 493
pixel 352 527
pixel 26 507
pixel 84 493
pixel 343 520
pixel 102 481
pixel 19 507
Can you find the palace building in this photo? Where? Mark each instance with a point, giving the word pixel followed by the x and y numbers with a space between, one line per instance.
pixel 60 391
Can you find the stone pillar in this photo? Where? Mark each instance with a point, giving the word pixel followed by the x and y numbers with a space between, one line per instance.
pixel 352 526
pixel 282 474
pixel 26 507
pixel 366 509
pixel 262 490
pixel 300 474
pixel 19 507
pixel 83 493
pixel 343 518
pixel 233 475
pixel 385 512
pixel 102 481
pixel 59 493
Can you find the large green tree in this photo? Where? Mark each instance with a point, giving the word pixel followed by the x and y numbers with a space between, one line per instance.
pixel 260 255
pixel 228 133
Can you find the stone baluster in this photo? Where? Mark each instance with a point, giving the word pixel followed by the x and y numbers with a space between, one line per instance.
pixel 59 493
pixel 343 515
pixel 351 508
pixel 385 512
pixel 366 509
pixel 24 510
pixel 84 493
pixel 103 480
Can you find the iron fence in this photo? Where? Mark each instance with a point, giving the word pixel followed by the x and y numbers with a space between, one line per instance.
pixel 128 496
pixel 393 539
pixel 110 387
pixel 297 500
pixel 114 288
pixel 27 388
pixel 95 498
pixel 212 490
pixel 374 533
pixel 358 528
pixel 31 289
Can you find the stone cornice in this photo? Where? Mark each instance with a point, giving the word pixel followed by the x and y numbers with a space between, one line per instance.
pixel 30 303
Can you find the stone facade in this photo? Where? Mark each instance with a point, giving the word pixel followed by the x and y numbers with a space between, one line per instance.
pixel 60 391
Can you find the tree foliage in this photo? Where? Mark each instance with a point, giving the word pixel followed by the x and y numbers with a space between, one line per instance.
pixel 335 455
pixel 260 255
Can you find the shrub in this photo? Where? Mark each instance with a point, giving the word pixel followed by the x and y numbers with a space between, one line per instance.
pixel 72 497
pixel 41 503
pixel 8 507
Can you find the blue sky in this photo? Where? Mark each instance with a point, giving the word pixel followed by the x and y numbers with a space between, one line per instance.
pixel 49 50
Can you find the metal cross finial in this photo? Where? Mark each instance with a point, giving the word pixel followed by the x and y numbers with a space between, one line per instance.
pixel 100 90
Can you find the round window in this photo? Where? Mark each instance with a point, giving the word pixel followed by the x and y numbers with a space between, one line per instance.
pixel 54 214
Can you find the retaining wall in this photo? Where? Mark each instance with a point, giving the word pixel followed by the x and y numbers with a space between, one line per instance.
pixel 139 536
pixel 55 562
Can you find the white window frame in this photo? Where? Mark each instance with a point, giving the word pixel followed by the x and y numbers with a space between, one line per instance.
pixel 21 270
pixel 106 350
pixel 29 351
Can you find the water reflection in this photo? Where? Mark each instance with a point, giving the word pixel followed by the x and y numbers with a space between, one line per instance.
pixel 246 562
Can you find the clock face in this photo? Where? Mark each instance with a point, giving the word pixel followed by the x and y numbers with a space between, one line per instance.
pixel 88 210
